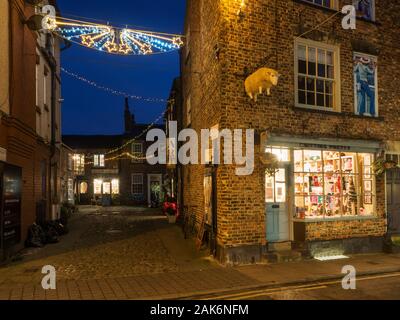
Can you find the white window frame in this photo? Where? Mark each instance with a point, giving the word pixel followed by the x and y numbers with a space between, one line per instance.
pixel 132 183
pixel 336 83
pixel 334 4
pixel 99 161
pixel 137 154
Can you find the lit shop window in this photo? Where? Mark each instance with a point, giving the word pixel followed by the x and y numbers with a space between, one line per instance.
pixel 331 4
pixel 98 160
pixel 316 75
pixel 115 186
pixel 83 187
pixel 97 184
pixel 107 188
pixel 283 154
pixel 330 184
pixel 275 187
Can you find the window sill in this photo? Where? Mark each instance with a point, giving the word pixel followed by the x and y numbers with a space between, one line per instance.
pixel 337 113
pixel 353 218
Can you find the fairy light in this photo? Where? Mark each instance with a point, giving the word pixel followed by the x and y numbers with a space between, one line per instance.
pixel 105 38
pixel 110 90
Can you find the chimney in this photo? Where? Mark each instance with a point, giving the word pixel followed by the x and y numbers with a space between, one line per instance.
pixel 128 117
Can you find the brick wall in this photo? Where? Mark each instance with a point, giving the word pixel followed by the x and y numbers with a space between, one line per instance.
pixel 216 87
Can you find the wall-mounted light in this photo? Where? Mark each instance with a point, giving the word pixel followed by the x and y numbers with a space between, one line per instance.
pixel 240 12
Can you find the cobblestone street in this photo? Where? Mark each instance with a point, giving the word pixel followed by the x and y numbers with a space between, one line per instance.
pixel 110 242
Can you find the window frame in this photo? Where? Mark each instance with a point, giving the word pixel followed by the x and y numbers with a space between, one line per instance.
pixel 136 153
pixel 337 76
pixel 335 6
pixel 132 183
pixel 99 160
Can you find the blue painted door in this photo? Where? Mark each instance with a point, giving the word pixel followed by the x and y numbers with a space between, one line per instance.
pixel 276 198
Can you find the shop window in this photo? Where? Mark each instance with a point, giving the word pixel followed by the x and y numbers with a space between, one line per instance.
pixel 330 184
pixel 97 184
pixel 316 74
pixel 365 84
pixel 331 4
pixel 366 9
pixel 137 152
pixel 106 187
pixel 137 184
pixel 115 186
pixel 98 160
pixel 282 153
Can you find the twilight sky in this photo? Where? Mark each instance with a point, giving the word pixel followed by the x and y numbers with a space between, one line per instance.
pixel 87 110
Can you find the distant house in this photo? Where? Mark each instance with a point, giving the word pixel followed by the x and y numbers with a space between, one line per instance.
pixel 112 169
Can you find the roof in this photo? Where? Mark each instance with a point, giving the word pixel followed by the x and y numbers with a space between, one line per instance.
pixel 141 130
pixel 92 141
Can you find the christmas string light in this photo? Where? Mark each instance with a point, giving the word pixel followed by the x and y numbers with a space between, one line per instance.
pixel 150 126
pixel 110 90
pixel 114 40
pixel 127 155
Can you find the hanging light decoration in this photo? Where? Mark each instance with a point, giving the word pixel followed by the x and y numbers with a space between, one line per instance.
pixel 114 40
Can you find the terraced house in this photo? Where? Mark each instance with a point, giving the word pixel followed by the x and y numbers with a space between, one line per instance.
pixel 332 122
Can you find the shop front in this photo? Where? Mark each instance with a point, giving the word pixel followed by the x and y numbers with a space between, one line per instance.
pixel 321 186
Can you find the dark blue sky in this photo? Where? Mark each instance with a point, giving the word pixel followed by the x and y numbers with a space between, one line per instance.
pixel 87 110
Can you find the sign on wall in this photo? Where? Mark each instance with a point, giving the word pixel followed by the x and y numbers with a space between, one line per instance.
pixel 365 84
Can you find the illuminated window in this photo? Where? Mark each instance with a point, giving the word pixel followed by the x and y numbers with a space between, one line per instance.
pixel 275 187
pixel 98 160
pixel 79 164
pixel 115 186
pixel 83 188
pixel 282 153
pixel 106 187
pixel 137 183
pixel 332 184
pixel 97 184
pixel 316 74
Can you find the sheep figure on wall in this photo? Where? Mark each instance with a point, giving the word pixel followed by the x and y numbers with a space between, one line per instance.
pixel 262 79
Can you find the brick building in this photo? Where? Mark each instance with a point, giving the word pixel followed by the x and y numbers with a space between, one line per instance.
pixel 333 113
pixel 122 176
pixel 29 124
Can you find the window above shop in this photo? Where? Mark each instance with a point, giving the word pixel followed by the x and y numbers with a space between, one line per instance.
pixel 332 184
pixel 79 164
pixel 137 152
pixel 98 160
pixel 331 4
pixel 317 75
pixel 366 9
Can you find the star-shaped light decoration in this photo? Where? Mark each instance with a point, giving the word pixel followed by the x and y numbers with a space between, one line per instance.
pixel 124 48
pixel 111 46
pixel 87 41
pixel 146 48
pixel 177 41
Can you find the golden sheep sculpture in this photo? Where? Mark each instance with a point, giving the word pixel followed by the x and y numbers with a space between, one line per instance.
pixel 261 80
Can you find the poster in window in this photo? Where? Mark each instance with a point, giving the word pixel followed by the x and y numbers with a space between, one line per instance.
pixel 365 80
pixel 368 186
pixel 365 9
pixel 368 199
